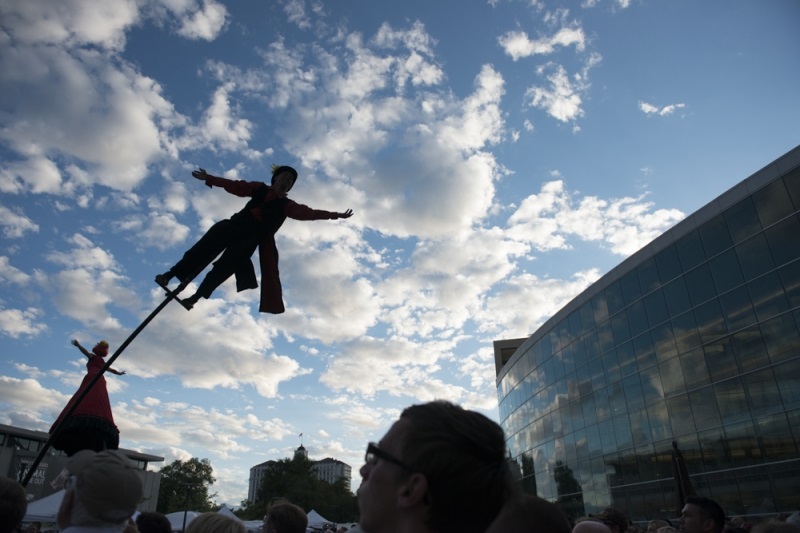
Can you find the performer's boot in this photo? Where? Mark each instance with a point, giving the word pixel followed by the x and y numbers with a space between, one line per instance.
pixel 163 279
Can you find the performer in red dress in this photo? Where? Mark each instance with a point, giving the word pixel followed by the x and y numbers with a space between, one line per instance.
pixel 91 426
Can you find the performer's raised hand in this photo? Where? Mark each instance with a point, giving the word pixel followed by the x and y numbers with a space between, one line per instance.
pixel 346 214
pixel 200 174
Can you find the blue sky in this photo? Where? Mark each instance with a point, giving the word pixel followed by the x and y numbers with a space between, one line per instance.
pixel 499 156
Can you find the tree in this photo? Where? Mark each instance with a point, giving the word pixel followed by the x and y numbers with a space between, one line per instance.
pixel 184 486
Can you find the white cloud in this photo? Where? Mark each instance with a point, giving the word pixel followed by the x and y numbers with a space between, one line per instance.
pixel 561 99
pixel 18 322
pixel 650 109
pixel 15 225
pixel 204 22
pixel 518 45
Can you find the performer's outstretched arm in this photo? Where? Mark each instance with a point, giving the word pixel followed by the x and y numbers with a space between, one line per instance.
pixel 83 350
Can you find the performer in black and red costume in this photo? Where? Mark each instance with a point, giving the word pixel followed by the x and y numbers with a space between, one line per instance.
pixel 91 426
pixel 239 236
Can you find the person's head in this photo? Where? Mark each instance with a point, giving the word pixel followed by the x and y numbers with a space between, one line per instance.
pixel 590 525
pixel 701 515
pixel 667 529
pixel 100 349
pixel 215 523
pixel 283 178
pixel 435 461
pixel 653 525
pixel 614 519
pixel 519 514
pixel 151 522
pixel 102 490
pixel 13 504
pixel 285 517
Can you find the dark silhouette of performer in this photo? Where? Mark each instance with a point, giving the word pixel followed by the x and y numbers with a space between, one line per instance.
pixel 91 426
pixel 239 236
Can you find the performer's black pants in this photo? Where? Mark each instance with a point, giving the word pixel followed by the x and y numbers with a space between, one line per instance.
pixel 237 238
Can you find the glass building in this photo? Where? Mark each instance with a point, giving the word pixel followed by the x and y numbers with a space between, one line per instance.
pixel 695 339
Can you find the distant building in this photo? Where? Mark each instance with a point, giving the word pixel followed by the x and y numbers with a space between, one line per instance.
pixel 329 470
pixel 332 470
pixel 20 447
pixel 694 339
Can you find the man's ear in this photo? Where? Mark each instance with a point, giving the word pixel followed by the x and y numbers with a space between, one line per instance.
pixel 413 491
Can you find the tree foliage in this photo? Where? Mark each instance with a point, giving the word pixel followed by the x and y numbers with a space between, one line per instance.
pixel 185 486
pixel 294 480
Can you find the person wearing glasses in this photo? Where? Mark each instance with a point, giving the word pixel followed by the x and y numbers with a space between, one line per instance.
pixel 439 468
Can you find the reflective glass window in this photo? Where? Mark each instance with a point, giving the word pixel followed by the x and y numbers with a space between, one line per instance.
pixel 742 443
pixel 725 271
pixel 783 240
pixel 584 380
pixel 640 427
pixel 790 276
pixel 598 374
pixel 704 408
pixel 605 336
pixel 616 398
pixel 620 328
pixel 600 308
pixel 784 484
pixel 754 257
pixel 690 250
pixel 622 432
pixel 768 296
pixel 710 322
pixel 592 346
pixel 579 352
pixel 589 409
pixel 781 338
pixel 775 437
pixel 742 220
pixel 792 182
pixel 772 203
pixel 700 284
pixel 627 359
pixel 637 319
pixel 601 404
pixel 650 380
pixel 631 290
pixel 614 298
pixel 680 415
pixel 711 447
pixel 664 342
pixel 677 296
pixel 568 358
pixel 672 377
pixel 762 392
pixel 731 401
pixel 587 316
pixel 658 417
pixel 607 437
pixel 656 308
pixel 748 345
pixel 593 442
pixel 669 266
pixel 634 397
pixel 737 309
pixel 693 364
pixel 648 275
pixel 787 376
pixel 684 328
pixel 645 353
pixel 720 359
pixel 715 236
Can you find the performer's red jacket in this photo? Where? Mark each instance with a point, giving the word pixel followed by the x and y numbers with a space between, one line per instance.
pixel 271 293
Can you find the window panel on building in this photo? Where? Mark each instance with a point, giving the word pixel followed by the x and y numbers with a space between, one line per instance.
pixel 676 296
pixel 775 438
pixel 743 444
pixel 710 321
pixel 694 368
pixel 690 250
pixel 742 220
pixel 715 236
pixel 763 395
pixel 644 350
pixel 700 284
pixel 672 377
pixel 704 408
pixel 755 257
pixel 725 271
pixel 627 359
pixel 649 279
pixel 790 277
pixel 781 337
pixel 782 240
pixel 772 203
pixel 669 266
pixel 721 359
pixel 680 415
pixel 656 307
pixel 748 345
pixel 732 401
pixel 768 296
pixel 658 417
pixel 787 377
pixel 685 330
pixel 737 309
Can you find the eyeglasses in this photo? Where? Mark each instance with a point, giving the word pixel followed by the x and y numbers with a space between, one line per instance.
pixel 374 453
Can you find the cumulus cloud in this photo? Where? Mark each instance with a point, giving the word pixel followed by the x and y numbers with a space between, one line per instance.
pixel 518 45
pixel 15 225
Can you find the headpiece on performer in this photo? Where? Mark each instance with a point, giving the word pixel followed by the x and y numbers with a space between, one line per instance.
pixel 106 483
pixel 277 169
pixel 101 349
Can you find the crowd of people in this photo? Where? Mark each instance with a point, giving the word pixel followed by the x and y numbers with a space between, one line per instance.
pixel 439 469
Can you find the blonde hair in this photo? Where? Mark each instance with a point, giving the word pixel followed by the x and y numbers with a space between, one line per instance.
pixel 215 523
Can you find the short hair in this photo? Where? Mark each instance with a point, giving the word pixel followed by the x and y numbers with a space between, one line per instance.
pixel 462 455
pixel 215 523
pixel 152 522
pixel 285 517
pixel 711 509
pixel 13 504
pixel 518 514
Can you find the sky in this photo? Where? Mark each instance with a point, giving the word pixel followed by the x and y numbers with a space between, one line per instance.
pixel 500 156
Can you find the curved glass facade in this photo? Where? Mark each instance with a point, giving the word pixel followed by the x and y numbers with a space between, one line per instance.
pixel 693 339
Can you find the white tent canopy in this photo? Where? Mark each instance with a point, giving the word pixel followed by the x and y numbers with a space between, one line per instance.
pixel 45 509
pixel 176 519
pixel 316 520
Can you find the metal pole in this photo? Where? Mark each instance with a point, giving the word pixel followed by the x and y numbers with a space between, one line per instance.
pixel 54 434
